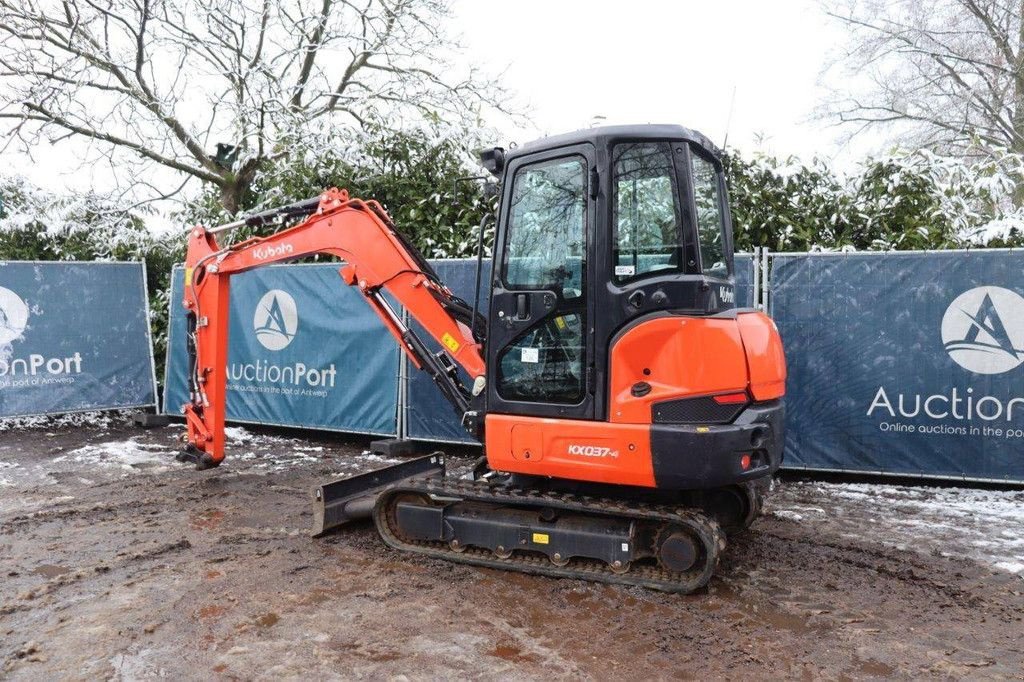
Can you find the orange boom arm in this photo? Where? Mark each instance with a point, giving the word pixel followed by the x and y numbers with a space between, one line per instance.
pixel 376 258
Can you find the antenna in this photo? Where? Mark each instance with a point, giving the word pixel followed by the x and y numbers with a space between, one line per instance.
pixel 728 120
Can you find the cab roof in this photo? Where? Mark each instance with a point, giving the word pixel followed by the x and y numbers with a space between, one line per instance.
pixel 604 136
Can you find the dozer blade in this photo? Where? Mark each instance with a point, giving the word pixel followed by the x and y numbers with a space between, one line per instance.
pixel 338 502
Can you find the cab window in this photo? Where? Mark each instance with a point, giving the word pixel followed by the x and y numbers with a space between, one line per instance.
pixel 546 251
pixel 645 210
pixel 547 233
pixel 708 204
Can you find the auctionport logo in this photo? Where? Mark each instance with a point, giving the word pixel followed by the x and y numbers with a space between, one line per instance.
pixel 26 371
pixel 13 316
pixel 276 320
pixel 983 330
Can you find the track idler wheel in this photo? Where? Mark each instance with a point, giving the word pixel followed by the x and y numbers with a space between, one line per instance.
pixel 677 550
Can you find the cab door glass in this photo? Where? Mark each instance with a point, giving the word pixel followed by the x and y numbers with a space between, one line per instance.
pixel 645 211
pixel 708 204
pixel 546 237
pixel 546 250
pixel 546 363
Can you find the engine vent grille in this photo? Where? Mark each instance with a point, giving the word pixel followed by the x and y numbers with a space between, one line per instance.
pixel 703 410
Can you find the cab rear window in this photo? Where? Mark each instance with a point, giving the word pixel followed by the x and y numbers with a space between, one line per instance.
pixel 647 232
pixel 708 205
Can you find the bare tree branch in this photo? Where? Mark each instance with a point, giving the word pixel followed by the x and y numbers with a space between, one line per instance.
pixel 949 73
pixel 161 82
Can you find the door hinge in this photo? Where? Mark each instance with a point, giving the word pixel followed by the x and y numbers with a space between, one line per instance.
pixel 594 177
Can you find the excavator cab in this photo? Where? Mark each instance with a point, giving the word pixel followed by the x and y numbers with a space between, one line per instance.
pixel 598 228
pixel 629 411
pixel 613 315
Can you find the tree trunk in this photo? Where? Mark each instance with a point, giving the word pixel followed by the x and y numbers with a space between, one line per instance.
pixel 235 187
pixel 231 197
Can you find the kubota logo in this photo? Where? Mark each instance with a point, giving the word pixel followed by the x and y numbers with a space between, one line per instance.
pixel 13 316
pixel 592 451
pixel 983 330
pixel 265 252
pixel 276 320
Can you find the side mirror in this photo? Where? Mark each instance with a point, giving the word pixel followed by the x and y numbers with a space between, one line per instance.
pixel 493 160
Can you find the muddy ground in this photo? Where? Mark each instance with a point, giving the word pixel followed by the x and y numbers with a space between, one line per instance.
pixel 117 562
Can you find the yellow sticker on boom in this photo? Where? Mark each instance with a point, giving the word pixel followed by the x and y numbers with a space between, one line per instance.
pixel 541 538
pixel 450 343
pixel 188 277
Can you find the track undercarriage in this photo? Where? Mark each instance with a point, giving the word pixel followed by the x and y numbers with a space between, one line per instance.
pixel 496 521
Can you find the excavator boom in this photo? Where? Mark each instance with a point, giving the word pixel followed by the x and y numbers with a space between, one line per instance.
pixel 377 259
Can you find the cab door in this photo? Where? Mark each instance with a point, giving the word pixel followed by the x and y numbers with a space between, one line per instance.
pixel 540 344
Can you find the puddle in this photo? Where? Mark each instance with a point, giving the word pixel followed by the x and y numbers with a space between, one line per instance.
pixel 871 668
pixel 763 614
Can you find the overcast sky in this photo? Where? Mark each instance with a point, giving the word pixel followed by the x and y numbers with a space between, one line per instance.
pixel 645 61
pixel 747 67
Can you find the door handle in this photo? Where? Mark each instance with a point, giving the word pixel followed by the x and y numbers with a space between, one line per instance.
pixel 522 307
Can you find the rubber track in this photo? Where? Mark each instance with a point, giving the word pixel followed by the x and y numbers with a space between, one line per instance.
pixel 649 576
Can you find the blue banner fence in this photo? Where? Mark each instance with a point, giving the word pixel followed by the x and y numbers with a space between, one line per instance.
pixel 903 363
pixel 304 350
pixel 426 413
pixel 74 336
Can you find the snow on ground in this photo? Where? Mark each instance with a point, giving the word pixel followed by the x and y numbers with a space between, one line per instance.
pixel 986 525
pixel 126 454
pixel 264 453
pixel 4 480
pixel 95 450
pixel 234 434
pixel 101 420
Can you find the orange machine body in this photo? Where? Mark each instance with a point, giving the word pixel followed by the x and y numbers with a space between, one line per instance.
pixel 742 364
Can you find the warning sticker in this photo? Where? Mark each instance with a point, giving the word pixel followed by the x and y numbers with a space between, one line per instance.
pixel 450 343
pixel 625 270
pixel 530 355
pixel 541 538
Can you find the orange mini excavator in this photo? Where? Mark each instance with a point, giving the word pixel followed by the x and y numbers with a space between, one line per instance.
pixel 630 412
